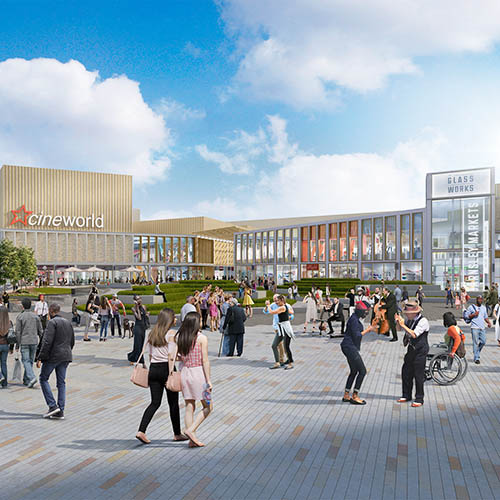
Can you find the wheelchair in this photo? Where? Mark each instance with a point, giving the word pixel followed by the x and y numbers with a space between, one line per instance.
pixel 442 368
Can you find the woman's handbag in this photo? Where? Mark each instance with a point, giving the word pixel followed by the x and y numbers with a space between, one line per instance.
pixel 140 374
pixel 11 336
pixel 174 382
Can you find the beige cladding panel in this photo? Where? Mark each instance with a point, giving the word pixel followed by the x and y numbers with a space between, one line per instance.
pixel 67 193
pixel 188 225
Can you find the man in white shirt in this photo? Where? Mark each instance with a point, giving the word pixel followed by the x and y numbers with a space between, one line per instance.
pixel 116 304
pixel 42 310
pixel 416 329
pixel 188 307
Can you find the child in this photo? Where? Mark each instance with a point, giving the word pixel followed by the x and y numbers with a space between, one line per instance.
pixel 213 311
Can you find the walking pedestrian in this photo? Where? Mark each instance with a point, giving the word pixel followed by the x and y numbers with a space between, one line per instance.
pixel 279 356
pixel 192 347
pixel 116 304
pixel 449 295
pixel 4 346
pixel 223 330
pixel 55 355
pixel 74 311
pixel 159 345
pixel 203 298
pixel 248 302
pixel 91 315
pixel 28 333
pixel 104 314
pixel 351 296
pixel 188 307
pixel 6 300
pixel 42 309
pixel 477 316
pixel 405 297
pixel 420 295
pixel 351 346
pixel 285 330
pixel 235 326
pixel 140 326
pixel 416 329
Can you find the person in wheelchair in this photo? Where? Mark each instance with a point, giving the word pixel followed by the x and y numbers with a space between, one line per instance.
pixel 454 336
pixel 416 329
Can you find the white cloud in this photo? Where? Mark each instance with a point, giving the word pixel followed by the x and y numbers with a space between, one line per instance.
pixel 191 49
pixel 307 184
pixel 234 164
pixel 302 52
pixel 177 111
pixel 61 115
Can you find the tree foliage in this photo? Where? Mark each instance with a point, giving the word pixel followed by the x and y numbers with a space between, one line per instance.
pixel 17 264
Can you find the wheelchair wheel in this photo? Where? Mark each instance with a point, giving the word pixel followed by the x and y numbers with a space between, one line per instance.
pixel 464 367
pixel 445 370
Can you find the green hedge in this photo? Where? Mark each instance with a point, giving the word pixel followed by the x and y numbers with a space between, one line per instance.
pixel 34 292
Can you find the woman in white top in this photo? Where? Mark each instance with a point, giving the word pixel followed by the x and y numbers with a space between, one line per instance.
pixel 496 316
pixel 311 310
pixel 160 342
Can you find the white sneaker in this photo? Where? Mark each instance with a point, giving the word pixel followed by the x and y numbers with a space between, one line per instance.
pixel 32 383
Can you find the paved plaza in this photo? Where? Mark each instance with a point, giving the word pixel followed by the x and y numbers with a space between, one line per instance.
pixel 273 435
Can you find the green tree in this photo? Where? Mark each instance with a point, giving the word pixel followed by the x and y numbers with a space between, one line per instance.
pixel 26 265
pixel 9 262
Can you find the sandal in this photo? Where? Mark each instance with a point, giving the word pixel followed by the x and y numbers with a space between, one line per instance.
pixel 416 405
pixel 346 400
pixel 142 440
pixel 403 400
pixel 357 401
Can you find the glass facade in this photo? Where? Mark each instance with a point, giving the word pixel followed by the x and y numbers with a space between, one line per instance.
pixel 353 240
pixel 322 243
pixel 258 238
pixel 367 239
pixel 264 247
pixel 390 238
pixel 417 235
pixel 250 248
pixel 379 238
pixel 405 237
pixel 295 245
pixel 343 241
pixel 304 244
pixel 313 256
pixel 288 244
pixel 279 245
pixel 270 252
pixel 333 242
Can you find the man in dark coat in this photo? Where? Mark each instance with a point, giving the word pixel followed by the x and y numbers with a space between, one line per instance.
pixel 389 303
pixel 55 354
pixel 235 325
pixel 336 313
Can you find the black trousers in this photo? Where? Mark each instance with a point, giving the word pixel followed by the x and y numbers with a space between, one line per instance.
pixel 414 370
pixel 392 325
pixel 337 317
pixel 357 367
pixel 115 318
pixel 235 340
pixel 286 342
pixel 158 376
pixel 162 294
pixel 204 315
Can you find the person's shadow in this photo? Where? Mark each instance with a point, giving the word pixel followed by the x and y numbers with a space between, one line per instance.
pixel 7 415
pixel 108 445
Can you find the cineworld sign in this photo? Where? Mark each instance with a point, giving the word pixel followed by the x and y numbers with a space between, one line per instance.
pixel 29 218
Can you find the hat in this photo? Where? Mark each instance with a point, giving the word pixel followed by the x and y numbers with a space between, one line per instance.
pixel 411 307
pixel 361 306
pixel 115 296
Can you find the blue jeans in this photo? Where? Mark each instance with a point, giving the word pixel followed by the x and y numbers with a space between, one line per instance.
pixel 4 353
pixel 478 341
pixel 28 358
pixel 225 345
pixel 104 326
pixel 47 369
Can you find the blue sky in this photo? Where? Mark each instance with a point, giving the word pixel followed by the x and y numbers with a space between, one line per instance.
pixel 250 108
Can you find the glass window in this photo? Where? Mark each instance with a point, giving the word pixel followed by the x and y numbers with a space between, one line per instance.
pixel 270 252
pixel 405 237
pixel 168 249
pixel 175 249
pixel 137 249
pixel 390 238
pixel 238 248
pixel 304 238
pixel 295 245
pixel 353 240
pixel 417 235
pixel 144 247
pixel 183 249
pixel 279 245
pixel 379 239
pixel 446 225
pixel 161 249
pixel 343 241
pixel 367 272
pixel 264 246
pixel 250 248
pixel 322 243
pixel 366 226
pixel 313 256
pixel 258 238
pixel 190 249
pixel 288 244
pixel 333 242
pixel 244 248
pixel 411 271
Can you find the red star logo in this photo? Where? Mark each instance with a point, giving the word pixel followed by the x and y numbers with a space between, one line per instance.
pixel 21 218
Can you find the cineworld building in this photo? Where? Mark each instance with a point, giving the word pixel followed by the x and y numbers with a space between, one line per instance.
pixel 82 226
pixel 455 238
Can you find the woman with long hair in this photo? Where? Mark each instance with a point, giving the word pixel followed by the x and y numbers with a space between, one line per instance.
pixel 311 310
pixel 192 348
pixel 4 347
pixel 159 345
pixel 104 313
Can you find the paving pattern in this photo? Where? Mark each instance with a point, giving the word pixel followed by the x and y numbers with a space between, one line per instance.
pixel 274 434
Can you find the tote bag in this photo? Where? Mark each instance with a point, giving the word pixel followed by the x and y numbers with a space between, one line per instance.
pixel 140 373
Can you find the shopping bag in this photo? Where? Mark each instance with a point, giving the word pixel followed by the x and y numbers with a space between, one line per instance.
pixel 18 369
